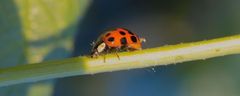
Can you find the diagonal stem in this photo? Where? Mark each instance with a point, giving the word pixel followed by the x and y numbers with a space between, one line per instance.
pixel 165 55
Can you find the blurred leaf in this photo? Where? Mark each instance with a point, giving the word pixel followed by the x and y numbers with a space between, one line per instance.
pixel 12 43
pixel 49 26
pixel 34 31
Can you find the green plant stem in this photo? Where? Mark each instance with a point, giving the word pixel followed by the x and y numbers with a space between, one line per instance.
pixel 83 65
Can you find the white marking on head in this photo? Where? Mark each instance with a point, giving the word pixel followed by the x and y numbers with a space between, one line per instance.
pixel 101 47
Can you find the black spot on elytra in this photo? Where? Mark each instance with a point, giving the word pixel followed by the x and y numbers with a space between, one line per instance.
pixel 130 32
pixel 134 39
pixel 107 34
pixel 111 39
pixel 122 33
pixel 123 41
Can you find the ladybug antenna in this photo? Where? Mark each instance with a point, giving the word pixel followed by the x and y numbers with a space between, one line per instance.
pixel 142 40
pixel 92 44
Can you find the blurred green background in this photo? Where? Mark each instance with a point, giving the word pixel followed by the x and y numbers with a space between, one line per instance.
pixel 41 30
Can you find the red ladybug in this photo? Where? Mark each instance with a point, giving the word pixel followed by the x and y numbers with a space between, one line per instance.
pixel 116 40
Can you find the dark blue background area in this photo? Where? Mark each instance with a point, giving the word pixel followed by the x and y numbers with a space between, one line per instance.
pixel 161 22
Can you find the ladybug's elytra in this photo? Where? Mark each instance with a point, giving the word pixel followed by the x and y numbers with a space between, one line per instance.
pixel 119 39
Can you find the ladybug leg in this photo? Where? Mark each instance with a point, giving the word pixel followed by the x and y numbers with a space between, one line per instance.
pixel 127 48
pixel 116 52
pixel 93 44
pixel 104 58
pixel 94 54
pixel 117 56
pixel 104 55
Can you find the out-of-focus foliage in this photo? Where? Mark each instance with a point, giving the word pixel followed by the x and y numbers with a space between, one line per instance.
pixel 36 30
pixel 33 31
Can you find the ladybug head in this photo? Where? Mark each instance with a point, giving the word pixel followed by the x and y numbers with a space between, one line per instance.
pixel 98 49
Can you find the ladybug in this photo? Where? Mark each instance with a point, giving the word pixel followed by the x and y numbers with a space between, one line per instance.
pixel 118 39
